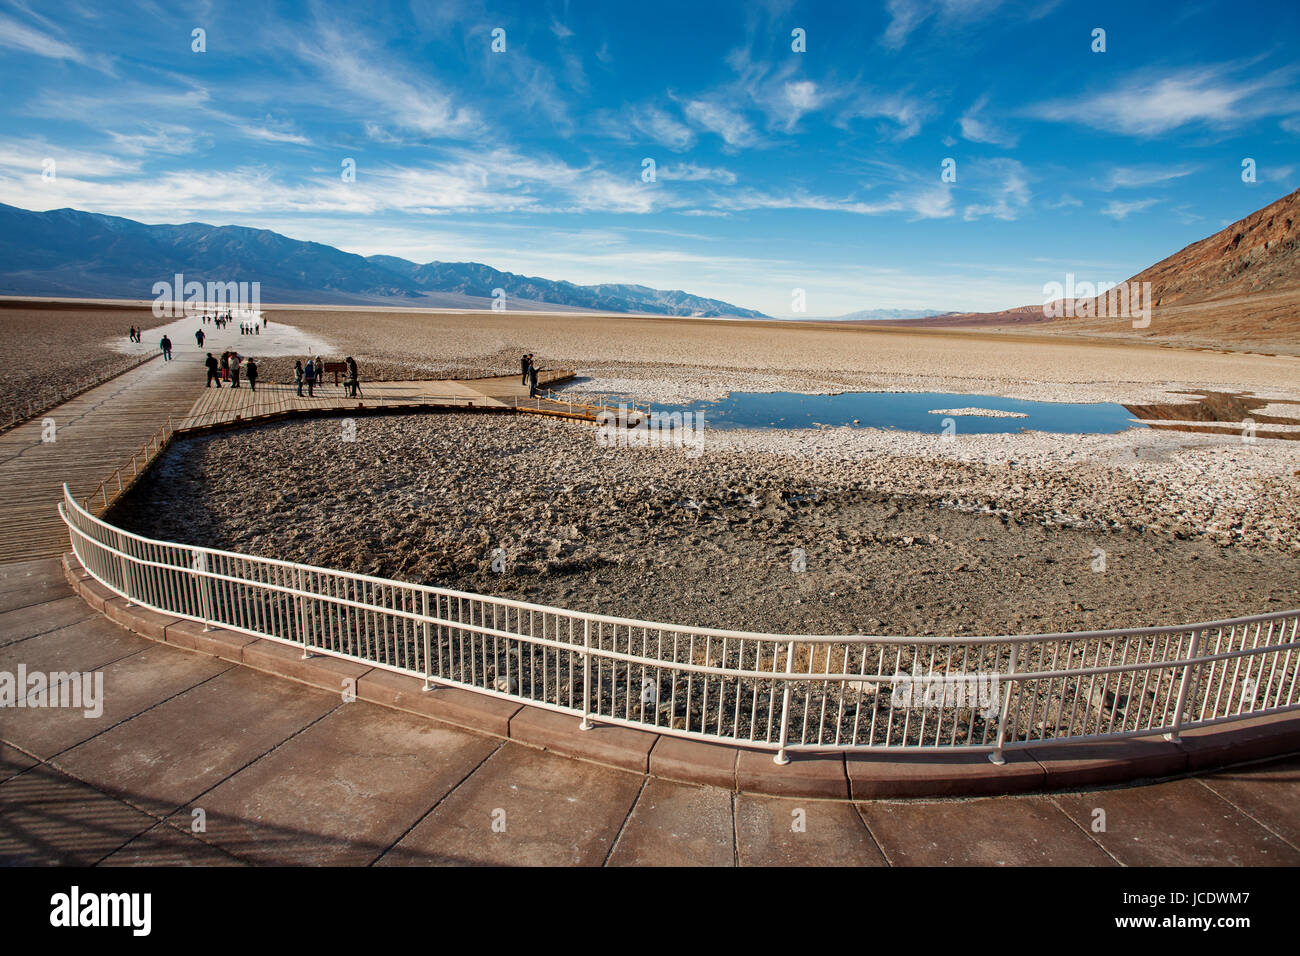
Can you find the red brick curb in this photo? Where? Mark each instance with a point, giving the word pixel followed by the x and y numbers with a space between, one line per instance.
pixel 852 776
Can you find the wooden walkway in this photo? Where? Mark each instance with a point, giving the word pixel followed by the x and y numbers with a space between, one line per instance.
pixel 92 434
pixel 99 431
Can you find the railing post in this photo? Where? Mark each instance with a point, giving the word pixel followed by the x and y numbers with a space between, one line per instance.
pixel 428 663
pixel 200 566
pixel 782 758
pixel 122 565
pixel 302 613
pixel 586 675
pixel 1182 687
pixel 996 756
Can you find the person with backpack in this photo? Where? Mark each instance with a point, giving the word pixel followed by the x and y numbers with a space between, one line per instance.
pixel 310 375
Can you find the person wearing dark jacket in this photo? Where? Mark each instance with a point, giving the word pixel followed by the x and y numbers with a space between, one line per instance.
pixel 532 379
pixel 250 370
pixel 297 374
pixel 211 363
pixel 523 367
pixel 310 375
pixel 166 346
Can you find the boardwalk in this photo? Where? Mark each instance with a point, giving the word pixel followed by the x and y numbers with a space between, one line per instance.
pixel 92 434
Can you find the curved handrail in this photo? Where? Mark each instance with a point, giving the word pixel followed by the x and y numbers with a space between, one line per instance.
pixel 749 688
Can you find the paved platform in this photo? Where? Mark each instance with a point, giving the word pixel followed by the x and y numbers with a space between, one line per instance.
pixel 283 773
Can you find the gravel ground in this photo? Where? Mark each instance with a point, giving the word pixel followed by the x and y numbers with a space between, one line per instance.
pixel 47 348
pixel 898 533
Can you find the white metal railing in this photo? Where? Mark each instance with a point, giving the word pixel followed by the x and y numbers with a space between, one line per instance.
pixel 776 691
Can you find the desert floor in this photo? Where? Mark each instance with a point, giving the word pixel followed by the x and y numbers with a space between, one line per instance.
pixel 900 533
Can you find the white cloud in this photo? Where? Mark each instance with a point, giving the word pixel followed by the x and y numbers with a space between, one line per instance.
pixel 979 129
pixel 1149 105
pixel 1130 177
pixel 713 117
pixel 688 172
pixel 905 16
pixel 1117 209
pixel 1006 184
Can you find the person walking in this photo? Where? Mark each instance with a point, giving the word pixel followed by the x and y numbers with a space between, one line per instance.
pixel 211 364
pixel 310 375
pixel 198 337
pixel 130 336
pixel 251 372
pixel 166 346
pixel 297 374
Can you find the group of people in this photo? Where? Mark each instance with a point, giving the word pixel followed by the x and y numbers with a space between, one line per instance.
pixel 229 369
pixel 250 328
pixel 313 374
pixel 529 369
pixel 222 319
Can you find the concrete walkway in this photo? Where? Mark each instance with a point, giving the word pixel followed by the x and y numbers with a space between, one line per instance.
pixel 280 773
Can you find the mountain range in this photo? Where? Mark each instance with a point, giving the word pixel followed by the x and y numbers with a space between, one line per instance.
pixel 1238 288
pixel 70 253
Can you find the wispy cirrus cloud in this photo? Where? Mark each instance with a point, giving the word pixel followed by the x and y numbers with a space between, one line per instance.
pixel 1151 104
pixel 1118 209
pixel 978 128
pixel 1132 177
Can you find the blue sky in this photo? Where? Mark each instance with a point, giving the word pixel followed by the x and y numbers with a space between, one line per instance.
pixel 775 170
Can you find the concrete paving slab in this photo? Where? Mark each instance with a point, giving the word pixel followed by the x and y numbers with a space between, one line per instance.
pixel 341 792
pixel 167 756
pixel 1268 792
pixel 49 819
pixel 555 812
pixel 694 761
pixel 36 619
pixel 621 747
pixel 1078 766
pixel 675 824
pixel 1241 741
pixel 1178 823
pixel 882 776
pixel 990 831
pixel 16 575
pixel 165 845
pixel 85 646
pixel 449 704
pixel 34 592
pixel 13 761
pixel 131 686
pixel 806 775
pixel 769 832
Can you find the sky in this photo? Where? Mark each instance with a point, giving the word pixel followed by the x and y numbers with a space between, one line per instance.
pixel 397 128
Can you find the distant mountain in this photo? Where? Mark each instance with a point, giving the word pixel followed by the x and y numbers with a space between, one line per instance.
pixel 1239 288
pixel 884 315
pixel 66 252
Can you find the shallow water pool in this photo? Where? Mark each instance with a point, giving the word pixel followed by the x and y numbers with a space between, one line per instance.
pixel 907 411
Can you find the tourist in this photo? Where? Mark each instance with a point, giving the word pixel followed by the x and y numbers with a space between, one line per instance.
pixel 166 346
pixel 235 359
pixel 320 371
pixel 297 374
pixel 523 367
pixel 130 336
pixel 225 365
pixel 310 375
pixel 251 372
pixel 353 383
pixel 211 363
pixel 532 378
pixel 198 337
